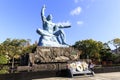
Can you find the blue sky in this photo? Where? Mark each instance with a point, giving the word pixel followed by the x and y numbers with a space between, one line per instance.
pixel 90 19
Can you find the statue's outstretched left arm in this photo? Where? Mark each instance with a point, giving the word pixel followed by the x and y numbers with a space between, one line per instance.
pixel 64 25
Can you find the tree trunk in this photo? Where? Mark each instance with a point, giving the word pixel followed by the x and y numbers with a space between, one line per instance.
pixel 12 68
pixel 12 62
pixel 116 49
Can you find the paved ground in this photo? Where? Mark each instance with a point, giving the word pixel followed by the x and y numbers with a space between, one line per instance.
pixel 101 76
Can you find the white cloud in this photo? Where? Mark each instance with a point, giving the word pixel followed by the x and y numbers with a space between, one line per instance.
pixel 80 22
pixel 76 11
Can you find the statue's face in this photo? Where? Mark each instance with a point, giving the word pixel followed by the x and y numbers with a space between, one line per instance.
pixel 49 17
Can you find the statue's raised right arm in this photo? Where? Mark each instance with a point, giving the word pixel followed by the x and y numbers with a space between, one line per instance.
pixel 43 13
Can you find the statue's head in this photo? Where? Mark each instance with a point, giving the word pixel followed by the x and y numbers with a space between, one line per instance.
pixel 49 17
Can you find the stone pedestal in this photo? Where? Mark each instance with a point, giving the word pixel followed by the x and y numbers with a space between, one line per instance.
pixel 55 54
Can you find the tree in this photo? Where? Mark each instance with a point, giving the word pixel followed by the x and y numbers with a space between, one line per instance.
pixel 3 57
pixel 106 54
pixel 115 42
pixel 90 48
pixel 3 60
pixel 13 48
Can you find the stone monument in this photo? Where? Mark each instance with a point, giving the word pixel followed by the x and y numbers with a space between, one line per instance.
pixel 51 34
pixel 52 46
pixel 52 52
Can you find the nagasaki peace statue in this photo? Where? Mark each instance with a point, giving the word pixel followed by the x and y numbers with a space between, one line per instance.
pixel 52 46
pixel 51 35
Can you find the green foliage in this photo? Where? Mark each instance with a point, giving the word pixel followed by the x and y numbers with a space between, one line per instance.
pixel 16 47
pixel 15 42
pixel 90 48
pixel 116 58
pixel 13 48
pixel 29 49
pixel 4 70
pixel 106 54
pixel 96 50
pixel 3 59
pixel 116 42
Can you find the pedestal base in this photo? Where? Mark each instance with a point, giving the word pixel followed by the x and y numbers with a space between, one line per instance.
pixel 54 54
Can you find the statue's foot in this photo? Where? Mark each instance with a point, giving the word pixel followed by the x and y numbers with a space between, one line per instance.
pixel 65 44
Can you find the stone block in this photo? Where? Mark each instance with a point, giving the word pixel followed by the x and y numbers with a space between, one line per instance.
pixel 55 54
